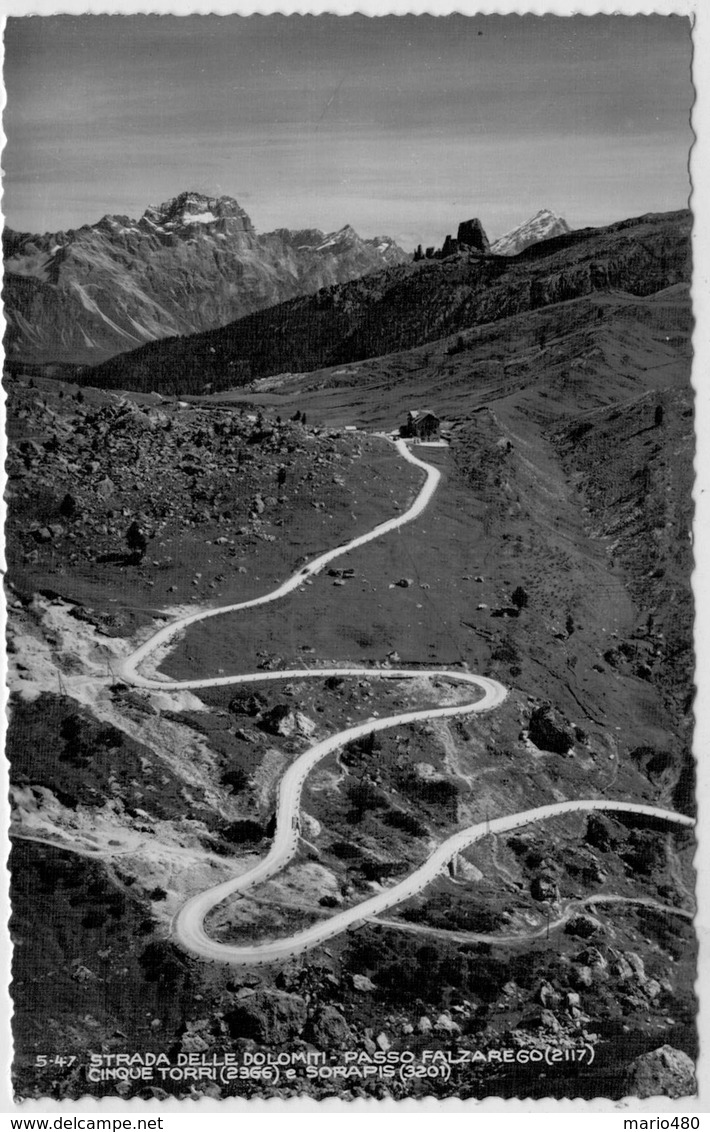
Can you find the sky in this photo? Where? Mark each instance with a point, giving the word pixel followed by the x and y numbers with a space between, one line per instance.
pixel 400 126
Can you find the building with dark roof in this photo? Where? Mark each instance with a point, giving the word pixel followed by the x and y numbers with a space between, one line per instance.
pixel 422 424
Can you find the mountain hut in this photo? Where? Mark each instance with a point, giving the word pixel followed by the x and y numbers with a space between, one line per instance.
pixel 421 424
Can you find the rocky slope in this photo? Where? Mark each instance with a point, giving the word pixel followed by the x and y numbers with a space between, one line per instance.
pixel 193 263
pixel 554 558
pixel 128 802
pixel 542 226
pixel 412 304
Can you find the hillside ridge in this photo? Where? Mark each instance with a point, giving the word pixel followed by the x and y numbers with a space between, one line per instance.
pixel 411 304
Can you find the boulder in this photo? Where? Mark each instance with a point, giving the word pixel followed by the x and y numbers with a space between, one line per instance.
pixel 583 926
pixel 544 888
pixel 445 1024
pixel 622 969
pixel 652 988
pixel 283 720
pixel 363 984
pixel 246 735
pixel 193 1043
pixel 663 1072
pixel 311 825
pixel 248 705
pixel 271 1017
pixel 547 995
pixel 549 731
pixel 630 967
pixel 466 871
pixel 549 1021
pixel 104 488
pixel 82 974
pixel 602 833
pixel 541 1020
pixel 636 963
pixel 304 725
pixel 329 1030
pixel 582 976
pixel 592 957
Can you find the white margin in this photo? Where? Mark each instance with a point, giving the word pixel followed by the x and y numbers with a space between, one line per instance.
pixel 475 1111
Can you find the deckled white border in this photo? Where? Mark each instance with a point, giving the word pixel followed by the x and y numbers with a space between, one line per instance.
pixel 700 203
pixel 369 8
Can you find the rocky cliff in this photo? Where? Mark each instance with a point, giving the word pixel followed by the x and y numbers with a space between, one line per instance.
pixel 190 264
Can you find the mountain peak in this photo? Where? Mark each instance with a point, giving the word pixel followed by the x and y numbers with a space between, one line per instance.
pixel 190 208
pixel 542 226
pixel 343 237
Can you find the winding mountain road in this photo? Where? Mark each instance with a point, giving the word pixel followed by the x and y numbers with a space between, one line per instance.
pixel 188 925
pixel 129 667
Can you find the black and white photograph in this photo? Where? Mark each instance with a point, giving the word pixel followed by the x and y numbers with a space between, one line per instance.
pixel 350 442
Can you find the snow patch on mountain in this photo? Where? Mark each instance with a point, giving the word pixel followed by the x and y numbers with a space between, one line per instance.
pixel 198 217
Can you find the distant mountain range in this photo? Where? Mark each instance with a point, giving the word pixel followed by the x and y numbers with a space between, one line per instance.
pixel 542 226
pixel 409 305
pixel 190 264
